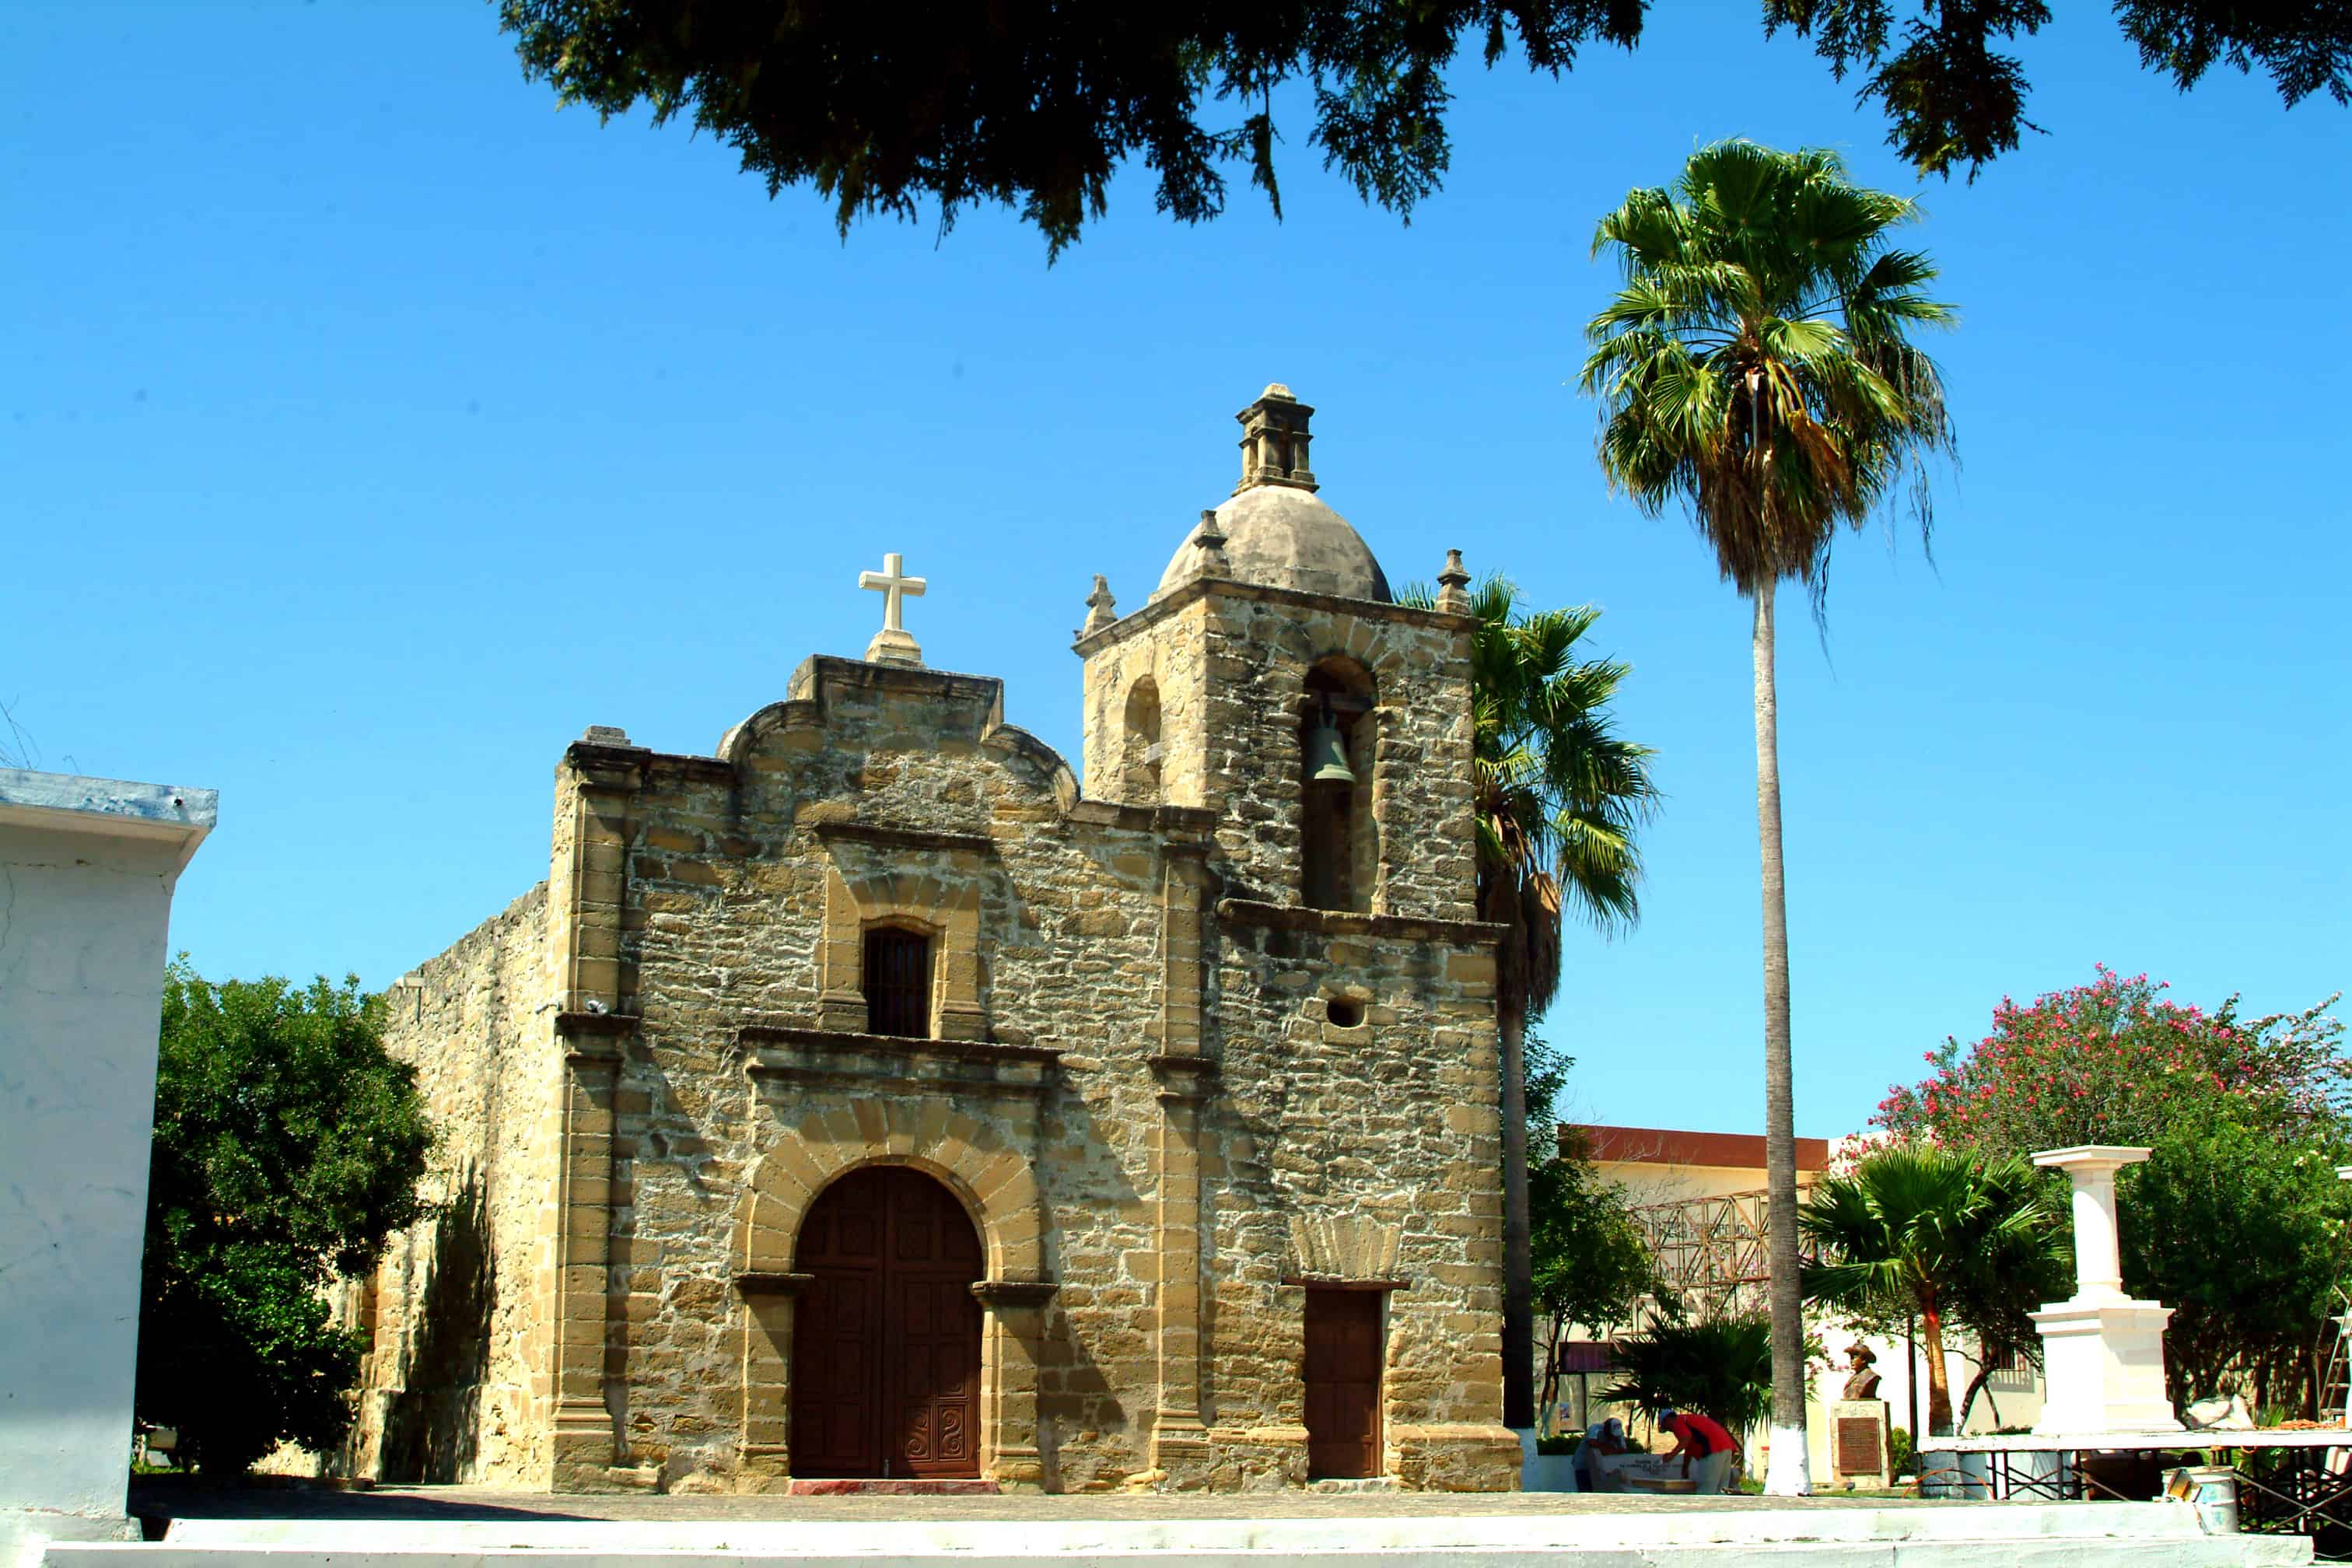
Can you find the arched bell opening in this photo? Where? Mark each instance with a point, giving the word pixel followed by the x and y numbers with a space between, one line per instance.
pixel 1140 748
pixel 1339 837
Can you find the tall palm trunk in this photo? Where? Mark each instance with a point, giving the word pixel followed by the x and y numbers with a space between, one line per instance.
pixel 1790 1472
pixel 1518 1253
pixel 1939 1388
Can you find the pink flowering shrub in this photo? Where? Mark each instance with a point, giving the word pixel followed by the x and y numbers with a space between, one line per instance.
pixel 2237 1221
pixel 2114 1062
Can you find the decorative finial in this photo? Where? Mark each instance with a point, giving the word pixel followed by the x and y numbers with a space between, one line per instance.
pixel 1101 608
pixel 892 645
pixel 1453 585
pixel 1212 541
pixel 1274 439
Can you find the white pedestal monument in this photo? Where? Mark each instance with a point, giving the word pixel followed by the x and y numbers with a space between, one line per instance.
pixel 86 870
pixel 2103 1352
pixel 2344 1323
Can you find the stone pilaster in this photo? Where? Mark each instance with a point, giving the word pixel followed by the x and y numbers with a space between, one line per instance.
pixel 1014 1335
pixel 1180 1446
pixel 586 882
pixel 584 1443
pixel 765 1458
pixel 600 776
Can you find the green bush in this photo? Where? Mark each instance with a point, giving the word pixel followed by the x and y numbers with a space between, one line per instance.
pixel 287 1146
pixel 1564 1443
pixel 1720 1366
pixel 1900 1460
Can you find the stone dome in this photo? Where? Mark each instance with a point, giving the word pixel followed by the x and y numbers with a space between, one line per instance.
pixel 1286 537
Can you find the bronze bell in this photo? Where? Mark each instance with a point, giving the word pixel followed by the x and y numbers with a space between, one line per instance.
pixel 1326 754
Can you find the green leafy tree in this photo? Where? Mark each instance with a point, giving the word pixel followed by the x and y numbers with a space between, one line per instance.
pixel 2236 1220
pixel 1590 1265
pixel 2244 1236
pixel 1034 106
pixel 1923 1228
pixel 1955 98
pixel 1559 795
pixel 287 1147
pixel 1757 369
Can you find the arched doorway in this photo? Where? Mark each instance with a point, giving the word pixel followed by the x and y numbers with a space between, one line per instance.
pixel 886 1341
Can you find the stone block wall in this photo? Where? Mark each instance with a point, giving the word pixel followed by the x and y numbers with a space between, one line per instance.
pixel 1230 662
pixel 452 1386
pixel 1134 1086
pixel 1355 1152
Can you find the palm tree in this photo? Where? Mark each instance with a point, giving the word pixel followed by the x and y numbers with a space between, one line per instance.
pixel 1754 368
pixel 1559 796
pixel 1922 1228
pixel 1717 1361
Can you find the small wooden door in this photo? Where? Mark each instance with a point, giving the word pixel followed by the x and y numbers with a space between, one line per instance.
pixel 886 1336
pixel 1343 1382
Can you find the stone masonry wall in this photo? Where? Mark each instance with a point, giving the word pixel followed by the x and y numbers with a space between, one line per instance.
pixel 1355 1152
pixel 447 1385
pixel 727 898
pixel 881 794
pixel 650 1070
pixel 1233 659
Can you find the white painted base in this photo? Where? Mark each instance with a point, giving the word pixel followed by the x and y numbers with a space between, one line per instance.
pixel 2103 1362
pixel 26 1533
pixel 1788 1470
pixel 2090 1535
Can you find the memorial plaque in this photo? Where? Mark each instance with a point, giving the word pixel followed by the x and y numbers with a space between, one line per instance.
pixel 1858 1445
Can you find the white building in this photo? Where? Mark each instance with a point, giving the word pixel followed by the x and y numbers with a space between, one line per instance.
pixel 1700 1197
pixel 87 871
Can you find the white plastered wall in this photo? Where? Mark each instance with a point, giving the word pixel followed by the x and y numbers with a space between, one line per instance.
pixel 87 872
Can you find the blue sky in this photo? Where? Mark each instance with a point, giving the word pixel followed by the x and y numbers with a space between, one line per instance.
pixel 369 428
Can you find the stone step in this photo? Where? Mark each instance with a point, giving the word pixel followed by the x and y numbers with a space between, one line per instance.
pixel 898 1487
pixel 2005 1535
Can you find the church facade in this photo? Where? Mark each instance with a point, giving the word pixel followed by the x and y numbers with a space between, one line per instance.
pixel 875 1099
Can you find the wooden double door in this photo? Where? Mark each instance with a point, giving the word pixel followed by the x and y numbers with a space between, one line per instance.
pixel 886 1335
pixel 1343 1382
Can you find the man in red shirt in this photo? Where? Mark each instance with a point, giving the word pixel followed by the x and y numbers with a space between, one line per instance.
pixel 1700 1437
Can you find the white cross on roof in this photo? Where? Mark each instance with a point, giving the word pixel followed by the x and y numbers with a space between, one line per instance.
pixel 892 645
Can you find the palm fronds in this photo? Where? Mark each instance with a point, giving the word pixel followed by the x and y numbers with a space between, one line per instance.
pixel 1755 366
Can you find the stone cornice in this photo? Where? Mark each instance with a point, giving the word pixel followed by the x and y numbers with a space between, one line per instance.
pixel 888 836
pixel 1346 923
pixel 1160 609
pixel 1333 1282
pixel 780 1051
pixel 1185 1078
pixel 1000 1294
pixel 624 769
pixel 580 1026
pixel 849 1040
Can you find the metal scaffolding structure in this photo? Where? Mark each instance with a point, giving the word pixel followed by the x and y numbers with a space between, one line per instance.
pixel 1703 1245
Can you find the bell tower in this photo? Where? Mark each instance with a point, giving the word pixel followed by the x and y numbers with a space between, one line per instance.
pixel 1273 678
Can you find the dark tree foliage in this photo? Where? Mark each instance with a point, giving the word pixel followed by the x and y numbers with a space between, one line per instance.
pixel 1718 1363
pixel 1955 98
pixel 1033 105
pixel 287 1146
pixel 1589 1265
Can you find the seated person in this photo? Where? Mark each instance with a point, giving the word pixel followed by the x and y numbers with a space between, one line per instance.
pixel 1600 1437
pixel 1700 1437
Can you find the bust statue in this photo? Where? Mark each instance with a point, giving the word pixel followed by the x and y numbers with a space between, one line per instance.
pixel 1861 1383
